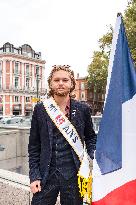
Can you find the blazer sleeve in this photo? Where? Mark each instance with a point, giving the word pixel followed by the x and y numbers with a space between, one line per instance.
pixel 90 136
pixel 34 148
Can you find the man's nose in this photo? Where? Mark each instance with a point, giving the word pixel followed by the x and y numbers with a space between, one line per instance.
pixel 60 82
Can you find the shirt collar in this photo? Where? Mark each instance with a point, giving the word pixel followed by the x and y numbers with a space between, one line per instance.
pixel 67 108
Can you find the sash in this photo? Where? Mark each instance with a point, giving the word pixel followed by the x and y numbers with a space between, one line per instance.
pixel 71 135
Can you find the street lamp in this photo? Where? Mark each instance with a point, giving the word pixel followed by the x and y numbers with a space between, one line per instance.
pixel 37 82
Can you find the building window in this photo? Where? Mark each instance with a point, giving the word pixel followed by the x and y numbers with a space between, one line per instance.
pixel 95 96
pixel 16 82
pixel 82 85
pixel 0 75
pixel 103 96
pixel 8 47
pixel 16 68
pixel 16 50
pixel 82 95
pixel 27 82
pixel 16 98
pixel 0 69
pixel 0 98
pixel 0 82
pixel 37 70
pixel 99 96
pixel 27 69
pixel 27 99
pixel 91 95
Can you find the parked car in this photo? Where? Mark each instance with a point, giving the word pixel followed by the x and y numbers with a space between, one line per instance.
pixel 15 120
pixel 1 117
pixel 4 120
pixel 12 120
pixel 26 122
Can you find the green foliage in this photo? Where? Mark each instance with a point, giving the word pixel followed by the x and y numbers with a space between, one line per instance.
pixel 130 25
pixel 98 71
pixel 105 41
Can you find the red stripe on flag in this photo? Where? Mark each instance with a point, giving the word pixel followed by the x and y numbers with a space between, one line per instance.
pixel 124 195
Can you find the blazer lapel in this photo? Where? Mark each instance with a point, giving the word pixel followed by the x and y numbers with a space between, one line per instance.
pixel 50 130
pixel 74 113
pixel 48 122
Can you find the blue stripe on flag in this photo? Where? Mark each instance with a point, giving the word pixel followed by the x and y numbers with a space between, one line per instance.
pixel 122 87
pixel 129 71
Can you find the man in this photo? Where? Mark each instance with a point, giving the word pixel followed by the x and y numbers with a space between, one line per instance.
pixel 53 162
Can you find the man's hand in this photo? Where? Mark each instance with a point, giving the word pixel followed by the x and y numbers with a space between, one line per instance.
pixel 35 186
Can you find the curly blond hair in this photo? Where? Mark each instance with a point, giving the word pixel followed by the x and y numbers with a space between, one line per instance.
pixel 65 68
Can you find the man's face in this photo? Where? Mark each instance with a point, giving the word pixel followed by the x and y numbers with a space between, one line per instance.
pixel 61 83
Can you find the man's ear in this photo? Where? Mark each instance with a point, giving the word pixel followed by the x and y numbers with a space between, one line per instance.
pixel 71 84
pixel 50 86
pixel 71 87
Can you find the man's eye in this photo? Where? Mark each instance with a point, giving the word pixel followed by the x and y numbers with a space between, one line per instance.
pixel 56 80
pixel 65 80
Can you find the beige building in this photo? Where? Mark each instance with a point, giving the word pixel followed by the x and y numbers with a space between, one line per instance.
pixel 22 78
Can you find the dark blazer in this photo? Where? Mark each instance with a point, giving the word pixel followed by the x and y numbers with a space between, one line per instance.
pixel 41 138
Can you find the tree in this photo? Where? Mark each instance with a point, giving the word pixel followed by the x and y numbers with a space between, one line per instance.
pixel 97 76
pixel 106 40
pixel 97 71
pixel 130 25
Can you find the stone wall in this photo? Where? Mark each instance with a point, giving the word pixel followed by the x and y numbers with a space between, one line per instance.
pixel 15 142
pixel 15 155
pixel 14 187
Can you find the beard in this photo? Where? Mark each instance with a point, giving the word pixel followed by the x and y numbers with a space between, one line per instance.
pixel 61 93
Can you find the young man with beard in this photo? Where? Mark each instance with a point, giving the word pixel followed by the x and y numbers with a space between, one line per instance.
pixel 53 159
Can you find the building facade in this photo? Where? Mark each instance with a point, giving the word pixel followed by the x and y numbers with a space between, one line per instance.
pixel 81 90
pixel 22 78
pixel 83 93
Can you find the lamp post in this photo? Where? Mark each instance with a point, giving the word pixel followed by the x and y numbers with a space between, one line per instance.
pixel 37 83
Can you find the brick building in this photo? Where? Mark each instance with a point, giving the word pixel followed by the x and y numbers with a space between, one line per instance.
pixel 21 71
pixel 81 89
pixel 83 93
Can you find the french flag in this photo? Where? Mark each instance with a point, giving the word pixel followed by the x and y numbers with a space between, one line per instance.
pixel 114 166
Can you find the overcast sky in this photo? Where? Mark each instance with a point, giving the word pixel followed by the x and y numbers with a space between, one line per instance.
pixel 64 31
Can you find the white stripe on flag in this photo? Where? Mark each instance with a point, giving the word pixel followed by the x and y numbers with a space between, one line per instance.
pixel 104 184
pixel 112 55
